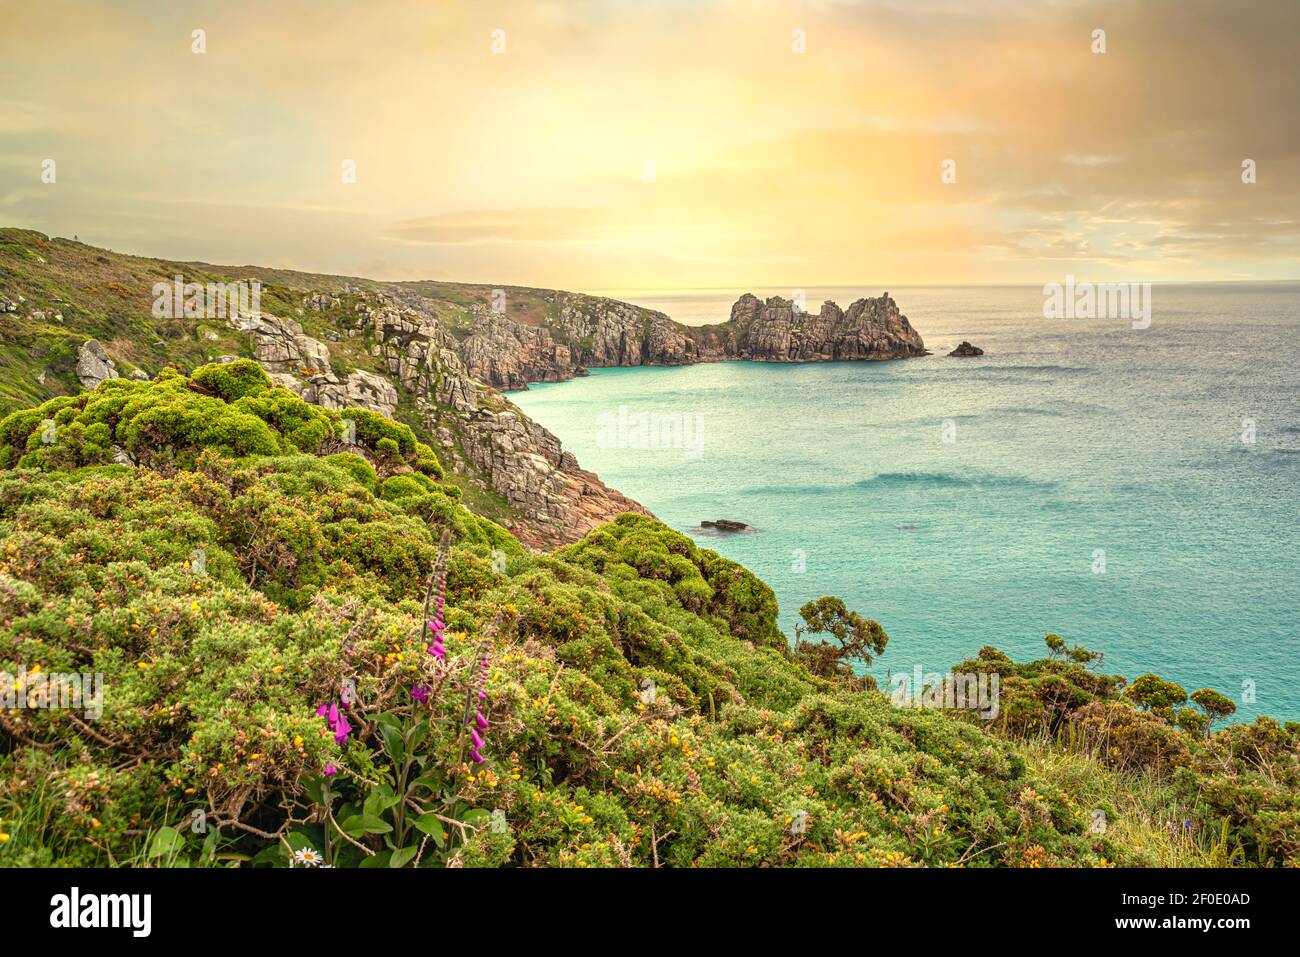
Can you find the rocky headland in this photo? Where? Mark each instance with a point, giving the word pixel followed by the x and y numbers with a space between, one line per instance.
pixel 582 332
pixel 433 355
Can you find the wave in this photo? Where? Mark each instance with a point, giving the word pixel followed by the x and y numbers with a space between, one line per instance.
pixel 1029 410
pixel 886 480
pixel 792 489
pixel 949 480
pixel 1046 368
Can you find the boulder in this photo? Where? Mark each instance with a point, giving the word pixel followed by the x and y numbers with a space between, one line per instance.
pixel 94 365
pixel 725 525
pixel 966 349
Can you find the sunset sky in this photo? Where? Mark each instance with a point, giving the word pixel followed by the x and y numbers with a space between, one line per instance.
pixel 771 167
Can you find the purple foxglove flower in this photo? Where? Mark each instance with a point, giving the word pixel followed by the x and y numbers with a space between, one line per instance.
pixel 342 730
pixel 420 693
pixel 478 758
pixel 330 769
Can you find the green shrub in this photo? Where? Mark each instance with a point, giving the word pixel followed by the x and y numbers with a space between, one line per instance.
pixel 1250 775
pixel 232 380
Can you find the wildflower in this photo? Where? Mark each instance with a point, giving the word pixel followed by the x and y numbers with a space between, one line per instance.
pixel 308 857
pixel 330 769
pixel 4 838
pixel 420 693
pixel 479 722
pixel 337 721
pixel 438 584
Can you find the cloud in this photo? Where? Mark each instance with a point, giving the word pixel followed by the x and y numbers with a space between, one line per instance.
pixel 770 166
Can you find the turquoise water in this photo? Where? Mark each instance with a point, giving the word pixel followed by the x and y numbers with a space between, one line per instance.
pixel 1069 439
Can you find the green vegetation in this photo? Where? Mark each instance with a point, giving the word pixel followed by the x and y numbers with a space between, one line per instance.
pixel 210 546
pixel 261 607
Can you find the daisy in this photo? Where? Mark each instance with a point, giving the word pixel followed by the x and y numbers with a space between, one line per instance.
pixel 308 857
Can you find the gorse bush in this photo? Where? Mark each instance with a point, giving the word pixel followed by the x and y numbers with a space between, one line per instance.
pixel 231 409
pixel 315 655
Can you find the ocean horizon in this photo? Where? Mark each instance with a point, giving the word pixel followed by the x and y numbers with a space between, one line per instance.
pixel 1133 490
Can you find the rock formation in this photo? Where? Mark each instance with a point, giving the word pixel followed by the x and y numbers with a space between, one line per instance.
pixel 776 330
pixel 302 365
pixel 582 332
pixel 94 365
pixel 482 434
pixel 966 349
pixel 451 373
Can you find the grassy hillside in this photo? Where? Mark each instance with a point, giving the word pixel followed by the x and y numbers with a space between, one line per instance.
pixel 68 292
pixel 309 654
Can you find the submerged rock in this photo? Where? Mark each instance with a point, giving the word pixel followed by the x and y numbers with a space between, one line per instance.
pixel 725 525
pixel 966 349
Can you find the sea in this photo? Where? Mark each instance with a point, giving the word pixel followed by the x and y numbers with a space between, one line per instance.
pixel 1134 490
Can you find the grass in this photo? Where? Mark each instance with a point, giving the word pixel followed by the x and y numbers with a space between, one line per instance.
pixel 1139 808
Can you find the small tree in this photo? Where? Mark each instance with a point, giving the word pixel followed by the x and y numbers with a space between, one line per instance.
pixel 1216 706
pixel 1158 696
pixel 1192 721
pixel 857 639
pixel 1056 647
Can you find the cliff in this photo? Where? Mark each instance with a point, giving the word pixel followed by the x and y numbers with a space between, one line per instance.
pixel 75 315
pixel 582 332
pixel 246 570
pixel 433 355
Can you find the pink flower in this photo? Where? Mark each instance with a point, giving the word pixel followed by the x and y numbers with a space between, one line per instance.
pixel 335 718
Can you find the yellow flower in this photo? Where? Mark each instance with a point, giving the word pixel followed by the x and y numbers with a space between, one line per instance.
pixel 4 838
pixel 297 740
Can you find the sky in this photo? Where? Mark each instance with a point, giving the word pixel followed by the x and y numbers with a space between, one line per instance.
pixel 633 145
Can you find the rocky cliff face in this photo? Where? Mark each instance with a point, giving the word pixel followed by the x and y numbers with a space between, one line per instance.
pixel 431 354
pixel 577 332
pixel 482 435
pixel 582 332
pixel 302 365
pixel 777 331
